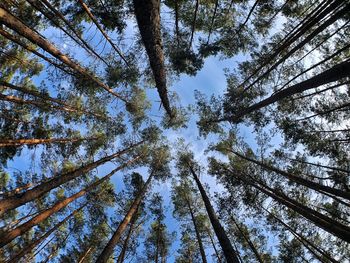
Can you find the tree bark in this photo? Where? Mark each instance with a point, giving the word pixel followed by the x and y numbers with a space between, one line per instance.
pixel 126 242
pixel 304 241
pixel 20 230
pixel 108 250
pixel 328 224
pixel 38 191
pixel 212 20
pixel 28 248
pixel 20 142
pixel 194 23
pixel 249 242
pixel 224 241
pixel 148 19
pixel 214 247
pixel 16 190
pixel 65 106
pixel 12 22
pixel 199 239
pixel 335 73
pixel 297 179
pixel 87 10
pixel 86 253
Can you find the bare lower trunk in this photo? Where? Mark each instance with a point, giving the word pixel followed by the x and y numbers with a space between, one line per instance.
pixel 224 241
pixel 20 230
pixel 86 253
pixel 108 250
pixel 15 24
pixel 148 19
pixel 36 192
pixel 28 248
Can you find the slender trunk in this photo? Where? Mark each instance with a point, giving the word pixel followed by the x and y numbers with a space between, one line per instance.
pixel 57 248
pixel 212 20
pixel 86 46
pixel 177 31
pixel 214 247
pixel 157 243
pixel 319 165
pixel 20 230
pixel 15 24
pixel 86 253
pixel 108 250
pixel 317 15
pixel 31 49
pixel 224 241
pixel 87 10
pixel 28 248
pixel 328 224
pixel 21 142
pixel 247 19
pixel 297 179
pixel 249 242
pixel 65 106
pixel 318 30
pixel 335 73
pixel 304 241
pixel 126 242
pixel 194 23
pixel 16 190
pixel 148 19
pixel 199 239
pixel 340 107
pixel 40 190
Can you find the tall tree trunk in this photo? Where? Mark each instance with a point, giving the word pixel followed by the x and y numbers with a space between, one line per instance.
pixel 238 31
pixel 148 19
pixel 108 250
pixel 15 24
pixel 249 242
pixel 297 179
pixel 318 30
pixel 304 241
pixel 126 241
pixel 309 21
pixel 212 20
pixel 328 224
pixel 16 191
pixel 193 28
pixel 21 142
pixel 177 31
pixel 214 247
pixel 224 241
pixel 199 239
pixel 335 73
pixel 65 106
pixel 20 230
pixel 28 248
pixel 79 40
pixel 33 50
pixel 57 248
pixel 86 253
pixel 38 191
pixel 156 256
pixel 87 10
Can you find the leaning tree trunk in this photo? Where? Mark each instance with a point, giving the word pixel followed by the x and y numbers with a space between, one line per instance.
pixel 249 242
pixel 297 179
pixel 148 19
pixel 108 250
pixel 64 105
pixel 126 241
pixel 16 25
pixel 199 239
pixel 20 230
pixel 328 224
pixel 224 241
pixel 21 142
pixel 335 73
pixel 36 192
pixel 86 253
pixel 304 241
pixel 28 248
